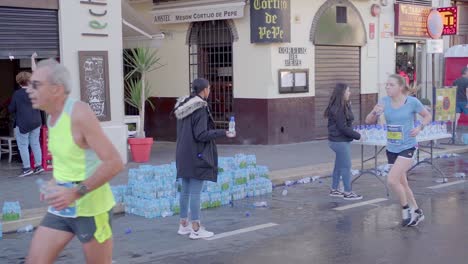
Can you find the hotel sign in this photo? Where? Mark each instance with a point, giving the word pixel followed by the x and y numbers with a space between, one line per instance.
pixel 450 19
pixel 411 20
pixel 187 15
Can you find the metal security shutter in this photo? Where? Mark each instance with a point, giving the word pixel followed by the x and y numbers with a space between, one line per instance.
pixel 24 31
pixel 335 64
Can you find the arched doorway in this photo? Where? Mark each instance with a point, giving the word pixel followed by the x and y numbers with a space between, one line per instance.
pixel 338 32
pixel 210 57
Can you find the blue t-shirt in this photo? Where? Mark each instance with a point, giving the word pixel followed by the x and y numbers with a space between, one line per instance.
pixel 400 122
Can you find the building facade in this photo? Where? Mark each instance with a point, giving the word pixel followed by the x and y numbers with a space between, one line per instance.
pixel 277 88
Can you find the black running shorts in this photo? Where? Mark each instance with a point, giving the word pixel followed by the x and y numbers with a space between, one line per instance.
pixel 407 154
pixel 85 228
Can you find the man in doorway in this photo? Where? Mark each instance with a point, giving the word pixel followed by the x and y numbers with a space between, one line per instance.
pixel 27 126
pixel 462 94
pixel 401 70
pixel 79 196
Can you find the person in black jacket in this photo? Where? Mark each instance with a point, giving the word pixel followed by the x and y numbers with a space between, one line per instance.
pixel 340 134
pixel 196 154
pixel 28 123
pixel 462 94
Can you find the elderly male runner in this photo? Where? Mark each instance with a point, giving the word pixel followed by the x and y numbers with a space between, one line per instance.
pixel 79 197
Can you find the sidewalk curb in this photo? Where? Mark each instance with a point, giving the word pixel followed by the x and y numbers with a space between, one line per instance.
pixel 278 177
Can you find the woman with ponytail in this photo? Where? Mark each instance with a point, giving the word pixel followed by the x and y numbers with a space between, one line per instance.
pixel 196 154
pixel 400 111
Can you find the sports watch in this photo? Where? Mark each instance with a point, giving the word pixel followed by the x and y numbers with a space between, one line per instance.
pixel 82 189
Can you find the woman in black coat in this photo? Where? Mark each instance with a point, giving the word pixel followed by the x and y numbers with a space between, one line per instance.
pixel 340 134
pixel 196 154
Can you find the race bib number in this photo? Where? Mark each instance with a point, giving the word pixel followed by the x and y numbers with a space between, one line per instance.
pixel 70 211
pixel 395 134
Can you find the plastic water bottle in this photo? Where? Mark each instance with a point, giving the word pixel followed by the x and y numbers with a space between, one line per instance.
pixel 42 186
pixel 232 125
pixel 260 204
pixel 25 229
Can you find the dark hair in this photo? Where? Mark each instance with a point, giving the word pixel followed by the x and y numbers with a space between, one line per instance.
pixel 464 70
pixel 337 100
pixel 199 84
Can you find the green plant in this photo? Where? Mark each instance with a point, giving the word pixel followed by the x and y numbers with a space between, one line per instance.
pixel 133 93
pixel 131 127
pixel 425 101
pixel 141 61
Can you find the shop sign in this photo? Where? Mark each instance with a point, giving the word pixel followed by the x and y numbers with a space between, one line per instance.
pixel 96 24
pixel 270 21
pixel 293 58
pixel 450 19
pixel 411 20
pixel 435 45
pixel 194 14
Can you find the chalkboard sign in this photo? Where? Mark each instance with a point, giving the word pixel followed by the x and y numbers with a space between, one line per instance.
pixel 94 82
pixel 270 21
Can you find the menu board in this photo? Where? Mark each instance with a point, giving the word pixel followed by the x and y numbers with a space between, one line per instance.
pixel 94 82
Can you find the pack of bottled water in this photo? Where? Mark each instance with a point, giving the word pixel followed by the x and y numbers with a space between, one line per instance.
pixel 119 192
pixel 378 133
pixel 154 191
pixel 11 211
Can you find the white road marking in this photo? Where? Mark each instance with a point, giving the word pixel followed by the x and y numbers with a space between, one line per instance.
pixel 446 184
pixel 241 231
pixel 373 201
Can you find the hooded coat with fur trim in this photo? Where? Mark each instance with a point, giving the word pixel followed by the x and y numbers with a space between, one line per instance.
pixel 196 152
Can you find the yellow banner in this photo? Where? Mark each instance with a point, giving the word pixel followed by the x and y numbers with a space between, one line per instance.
pixel 445 103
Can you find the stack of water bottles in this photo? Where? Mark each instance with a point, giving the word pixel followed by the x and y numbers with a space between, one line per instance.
pixel 119 192
pixel 377 134
pixel 432 130
pixel 153 191
pixel 11 211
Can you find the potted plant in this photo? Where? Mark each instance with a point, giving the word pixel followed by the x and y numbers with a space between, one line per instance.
pixel 141 61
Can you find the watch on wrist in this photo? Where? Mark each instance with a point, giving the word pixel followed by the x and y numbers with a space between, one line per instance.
pixel 422 126
pixel 82 189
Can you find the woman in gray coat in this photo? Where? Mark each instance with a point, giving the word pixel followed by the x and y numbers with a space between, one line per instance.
pixel 196 154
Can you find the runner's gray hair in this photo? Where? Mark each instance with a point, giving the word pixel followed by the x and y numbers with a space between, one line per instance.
pixel 57 73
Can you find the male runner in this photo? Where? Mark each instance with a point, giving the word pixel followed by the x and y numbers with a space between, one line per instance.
pixel 79 197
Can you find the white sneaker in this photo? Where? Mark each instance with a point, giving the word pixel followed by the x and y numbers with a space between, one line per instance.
pixel 201 233
pixel 407 216
pixel 184 230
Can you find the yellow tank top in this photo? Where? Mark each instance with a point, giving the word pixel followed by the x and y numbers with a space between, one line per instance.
pixel 71 163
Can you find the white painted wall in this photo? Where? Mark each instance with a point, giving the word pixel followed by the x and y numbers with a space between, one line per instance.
pixel 256 65
pixel 73 20
pixel 172 80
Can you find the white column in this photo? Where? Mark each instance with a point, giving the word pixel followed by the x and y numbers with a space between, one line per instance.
pixel 76 18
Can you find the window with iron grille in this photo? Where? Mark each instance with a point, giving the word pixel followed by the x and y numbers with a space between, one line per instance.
pixel 210 57
pixel 415 2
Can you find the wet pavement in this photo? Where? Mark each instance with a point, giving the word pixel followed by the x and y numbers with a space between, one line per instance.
pixel 308 228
